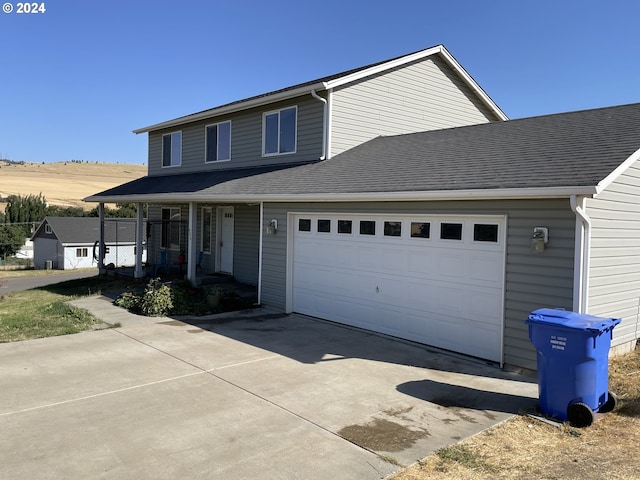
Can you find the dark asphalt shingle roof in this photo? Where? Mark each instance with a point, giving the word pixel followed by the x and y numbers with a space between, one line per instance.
pixel 189 182
pixel 297 86
pixel 576 149
pixel 86 230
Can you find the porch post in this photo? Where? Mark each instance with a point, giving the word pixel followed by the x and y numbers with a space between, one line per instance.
pixel 101 248
pixel 138 273
pixel 192 254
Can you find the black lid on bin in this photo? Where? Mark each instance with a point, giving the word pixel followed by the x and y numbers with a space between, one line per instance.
pixel 571 320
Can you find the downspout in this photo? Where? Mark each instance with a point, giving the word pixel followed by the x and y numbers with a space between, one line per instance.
pixel 260 233
pixel 582 256
pixel 324 123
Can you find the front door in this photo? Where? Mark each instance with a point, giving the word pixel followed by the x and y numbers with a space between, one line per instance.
pixel 225 239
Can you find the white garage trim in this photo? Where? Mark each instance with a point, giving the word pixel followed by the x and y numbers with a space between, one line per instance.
pixel 435 279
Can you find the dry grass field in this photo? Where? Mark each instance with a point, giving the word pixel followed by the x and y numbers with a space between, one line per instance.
pixel 65 183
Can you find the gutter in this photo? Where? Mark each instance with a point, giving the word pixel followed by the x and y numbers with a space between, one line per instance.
pixel 582 259
pixel 501 194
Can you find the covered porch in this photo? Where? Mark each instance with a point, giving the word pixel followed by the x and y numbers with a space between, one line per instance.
pixel 195 225
pixel 204 243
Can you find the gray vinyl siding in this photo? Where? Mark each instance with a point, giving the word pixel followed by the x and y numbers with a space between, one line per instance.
pixel 246 140
pixel 246 244
pixel 425 95
pixel 532 280
pixel 614 274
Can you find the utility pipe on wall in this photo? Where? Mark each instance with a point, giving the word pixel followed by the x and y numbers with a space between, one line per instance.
pixel 582 255
pixel 324 123
pixel 260 233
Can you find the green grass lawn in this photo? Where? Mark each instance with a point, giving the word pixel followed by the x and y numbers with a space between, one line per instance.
pixel 44 312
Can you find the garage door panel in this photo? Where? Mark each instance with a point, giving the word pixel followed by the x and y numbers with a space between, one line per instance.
pixel 346 256
pixel 449 299
pixel 451 265
pixel 482 305
pixel 392 261
pixel 445 293
pixel 486 268
pixel 420 262
pixel 367 258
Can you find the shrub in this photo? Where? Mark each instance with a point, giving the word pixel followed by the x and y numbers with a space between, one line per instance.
pixel 188 300
pixel 128 300
pixel 157 299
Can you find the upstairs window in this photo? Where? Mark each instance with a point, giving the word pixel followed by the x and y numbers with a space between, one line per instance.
pixel 172 149
pixel 279 131
pixel 218 142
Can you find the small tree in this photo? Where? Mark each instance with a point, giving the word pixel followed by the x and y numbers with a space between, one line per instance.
pixel 25 210
pixel 11 240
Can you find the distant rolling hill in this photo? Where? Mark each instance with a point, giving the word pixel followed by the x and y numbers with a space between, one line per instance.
pixel 65 183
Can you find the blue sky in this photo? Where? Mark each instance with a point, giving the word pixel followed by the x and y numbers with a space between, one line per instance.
pixel 77 79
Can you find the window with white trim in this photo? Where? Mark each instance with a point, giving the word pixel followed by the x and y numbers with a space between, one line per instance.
pixel 47 229
pixel 170 228
pixel 207 224
pixel 172 149
pixel 82 252
pixel 279 131
pixel 218 142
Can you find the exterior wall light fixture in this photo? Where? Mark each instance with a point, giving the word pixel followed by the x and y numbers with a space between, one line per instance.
pixel 272 227
pixel 539 239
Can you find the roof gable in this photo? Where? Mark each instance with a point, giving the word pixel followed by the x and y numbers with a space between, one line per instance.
pixel 330 82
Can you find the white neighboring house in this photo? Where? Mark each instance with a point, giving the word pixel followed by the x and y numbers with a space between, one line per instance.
pixel 67 243
pixel 26 251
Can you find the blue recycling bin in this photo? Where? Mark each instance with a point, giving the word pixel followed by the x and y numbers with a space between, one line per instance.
pixel 573 363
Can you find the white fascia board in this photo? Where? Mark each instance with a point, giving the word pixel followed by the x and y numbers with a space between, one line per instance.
pixel 613 176
pixel 453 63
pixel 383 67
pixel 495 194
pixel 235 107
pixel 398 62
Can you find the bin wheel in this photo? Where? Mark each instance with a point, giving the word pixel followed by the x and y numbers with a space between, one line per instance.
pixel 580 415
pixel 610 404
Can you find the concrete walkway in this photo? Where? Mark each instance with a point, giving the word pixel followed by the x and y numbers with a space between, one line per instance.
pixel 262 395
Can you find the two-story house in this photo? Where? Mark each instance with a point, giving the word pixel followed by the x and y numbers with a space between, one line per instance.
pixel 396 198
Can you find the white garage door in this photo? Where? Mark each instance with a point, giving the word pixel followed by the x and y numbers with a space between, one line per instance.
pixel 438 280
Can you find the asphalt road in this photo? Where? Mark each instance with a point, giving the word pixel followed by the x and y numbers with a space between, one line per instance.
pixel 17 284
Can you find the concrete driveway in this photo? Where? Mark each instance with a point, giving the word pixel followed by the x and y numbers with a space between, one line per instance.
pixel 267 397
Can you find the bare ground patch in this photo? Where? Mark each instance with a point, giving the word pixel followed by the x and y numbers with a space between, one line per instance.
pixel 525 448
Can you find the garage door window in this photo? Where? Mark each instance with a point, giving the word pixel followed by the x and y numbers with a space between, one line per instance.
pixel 420 229
pixel 324 226
pixel 344 226
pixel 367 227
pixel 485 233
pixel 304 225
pixel 392 229
pixel 451 231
